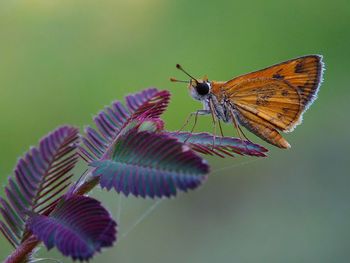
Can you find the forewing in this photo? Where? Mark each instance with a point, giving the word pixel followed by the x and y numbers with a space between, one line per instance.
pixel 274 101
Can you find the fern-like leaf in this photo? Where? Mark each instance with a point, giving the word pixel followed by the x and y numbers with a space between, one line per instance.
pixel 79 227
pixel 148 104
pixel 206 143
pixel 150 164
pixel 39 179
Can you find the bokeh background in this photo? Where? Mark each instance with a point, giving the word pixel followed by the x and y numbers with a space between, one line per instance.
pixel 62 61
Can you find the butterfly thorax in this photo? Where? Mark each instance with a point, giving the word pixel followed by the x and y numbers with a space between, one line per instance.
pixel 220 108
pixel 203 91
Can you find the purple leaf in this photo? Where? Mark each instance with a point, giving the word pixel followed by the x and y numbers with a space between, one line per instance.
pixel 148 104
pixel 39 179
pixel 79 227
pixel 150 164
pixel 205 143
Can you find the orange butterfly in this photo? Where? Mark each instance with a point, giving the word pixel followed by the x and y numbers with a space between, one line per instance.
pixel 265 101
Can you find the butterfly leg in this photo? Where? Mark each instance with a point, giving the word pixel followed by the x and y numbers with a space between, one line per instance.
pixel 238 128
pixel 215 120
pixel 221 132
pixel 198 112
pixel 214 130
pixel 195 120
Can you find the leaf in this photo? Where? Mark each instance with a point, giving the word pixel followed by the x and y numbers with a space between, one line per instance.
pixel 148 104
pixel 124 166
pixel 150 164
pixel 205 143
pixel 79 227
pixel 39 179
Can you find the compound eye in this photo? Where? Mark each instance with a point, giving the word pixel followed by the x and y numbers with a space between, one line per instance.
pixel 202 88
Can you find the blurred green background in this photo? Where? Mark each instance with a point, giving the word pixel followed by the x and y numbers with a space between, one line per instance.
pixel 62 61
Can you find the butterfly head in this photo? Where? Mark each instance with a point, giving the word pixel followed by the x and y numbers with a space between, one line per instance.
pixel 199 88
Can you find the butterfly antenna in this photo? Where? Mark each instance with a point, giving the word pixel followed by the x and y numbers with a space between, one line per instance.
pixel 176 80
pixel 178 66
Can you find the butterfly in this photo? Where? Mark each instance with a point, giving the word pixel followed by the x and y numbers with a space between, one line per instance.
pixel 266 102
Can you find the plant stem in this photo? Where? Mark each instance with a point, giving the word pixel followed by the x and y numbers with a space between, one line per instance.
pixel 23 250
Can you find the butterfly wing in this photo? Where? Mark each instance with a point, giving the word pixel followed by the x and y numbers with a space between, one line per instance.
pixel 262 128
pixel 276 96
